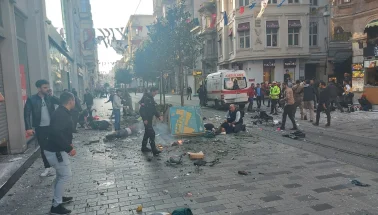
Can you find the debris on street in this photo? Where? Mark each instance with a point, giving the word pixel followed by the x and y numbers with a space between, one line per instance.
pixel 195 156
pixel 359 184
pixel 242 172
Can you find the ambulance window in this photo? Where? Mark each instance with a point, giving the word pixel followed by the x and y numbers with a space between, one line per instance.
pixel 235 83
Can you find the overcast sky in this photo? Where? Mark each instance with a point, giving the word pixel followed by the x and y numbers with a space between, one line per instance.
pixel 106 14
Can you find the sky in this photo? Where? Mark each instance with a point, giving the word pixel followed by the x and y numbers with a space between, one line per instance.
pixel 106 14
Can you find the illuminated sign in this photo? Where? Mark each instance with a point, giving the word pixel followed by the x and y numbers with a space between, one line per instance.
pixel 197 73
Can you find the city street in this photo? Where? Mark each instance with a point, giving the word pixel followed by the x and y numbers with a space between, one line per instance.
pixel 285 176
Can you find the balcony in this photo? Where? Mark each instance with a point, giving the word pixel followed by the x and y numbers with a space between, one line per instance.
pixel 208 7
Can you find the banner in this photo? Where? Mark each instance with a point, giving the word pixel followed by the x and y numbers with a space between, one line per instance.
pixel 186 121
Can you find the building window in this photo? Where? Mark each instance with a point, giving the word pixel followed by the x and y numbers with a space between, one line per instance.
pixel 314 2
pixel 293 36
pixel 293 1
pixel 272 33
pixel 220 45
pixel 244 39
pixel 84 4
pixel 313 33
pixel 243 3
pixel 272 2
pixel 294 27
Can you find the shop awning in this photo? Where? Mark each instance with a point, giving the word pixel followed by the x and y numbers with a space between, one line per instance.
pixel 340 57
pixel 243 26
pixel 294 23
pixel 272 24
pixel 373 23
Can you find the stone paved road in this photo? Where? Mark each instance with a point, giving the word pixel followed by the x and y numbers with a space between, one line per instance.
pixel 115 177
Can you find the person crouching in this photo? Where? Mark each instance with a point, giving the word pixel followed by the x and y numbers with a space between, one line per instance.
pixel 234 121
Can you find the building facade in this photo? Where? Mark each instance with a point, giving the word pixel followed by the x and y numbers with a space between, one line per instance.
pixel 354 48
pixel 288 37
pixel 24 50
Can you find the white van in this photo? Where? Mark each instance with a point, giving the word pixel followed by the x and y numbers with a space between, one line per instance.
pixel 227 87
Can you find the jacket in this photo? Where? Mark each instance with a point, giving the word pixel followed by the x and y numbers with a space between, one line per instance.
pixel 308 93
pixel 32 109
pixel 117 102
pixel 298 92
pixel 275 92
pixel 60 135
pixel 148 107
pixel 251 92
pixel 333 90
pixel 77 105
pixel 324 97
pixel 289 97
pixel 88 99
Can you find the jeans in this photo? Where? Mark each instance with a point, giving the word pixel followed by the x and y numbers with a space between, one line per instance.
pixel 258 101
pixel 327 111
pixel 189 96
pixel 250 105
pixel 273 108
pixel 89 108
pixel 297 104
pixel 288 111
pixel 149 134
pixel 42 134
pixel 308 106
pixel 117 119
pixel 263 99
pixel 63 174
pixel 336 101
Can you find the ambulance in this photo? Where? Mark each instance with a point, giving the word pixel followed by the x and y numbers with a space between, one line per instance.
pixel 227 87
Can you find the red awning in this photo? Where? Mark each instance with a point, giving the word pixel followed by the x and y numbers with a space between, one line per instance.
pixel 272 24
pixel 294 23
pixel 243 26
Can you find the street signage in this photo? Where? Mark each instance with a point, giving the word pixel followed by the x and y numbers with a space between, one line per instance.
pixel 186 121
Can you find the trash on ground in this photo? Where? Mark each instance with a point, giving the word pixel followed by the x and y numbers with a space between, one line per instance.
pixel 189 194
pixel 358 183
pixel 177 143
pixel 182 211
pixel 15 159
pixel 160 147
pixel 139 209
pixel 195 156
pixel 165 192
pixel 175 159
pixel 200 163
pixel 242 173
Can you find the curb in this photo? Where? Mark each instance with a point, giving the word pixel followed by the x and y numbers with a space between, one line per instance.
pixel 4 188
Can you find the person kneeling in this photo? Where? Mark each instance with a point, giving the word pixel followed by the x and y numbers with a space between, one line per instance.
pixel 234 121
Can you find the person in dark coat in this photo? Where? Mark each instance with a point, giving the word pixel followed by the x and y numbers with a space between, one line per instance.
pixel 323 104
pixel 201 95
pixel 189 91
pixel 75 112
pixel 334 95
pixel 147 111
pixel 308 100
pixel 88 100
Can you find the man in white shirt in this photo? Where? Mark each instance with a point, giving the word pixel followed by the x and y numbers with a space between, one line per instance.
pixel 117 106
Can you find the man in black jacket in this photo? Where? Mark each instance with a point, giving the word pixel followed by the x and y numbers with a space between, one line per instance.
pixel 334 95
pixel 58 150
pixel 323 104
pixel 37 112
pixel 88 100
pixel 308 100
pixel 147 112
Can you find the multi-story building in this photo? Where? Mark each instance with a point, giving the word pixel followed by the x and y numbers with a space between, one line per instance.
pixel 354 44
pixel 288 37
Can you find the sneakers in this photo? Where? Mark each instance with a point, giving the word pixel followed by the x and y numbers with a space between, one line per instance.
pixel 59 210
pixel 47 172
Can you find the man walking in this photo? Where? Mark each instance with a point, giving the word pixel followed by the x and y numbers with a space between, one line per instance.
pixel 37 112
pixel 308 100
pixel 117 106
pixel 88 100
pixel 274 96
pixel 75 112
pixel 298 98
pixel 58 150
pixel 289 106
pixel 147 111
pixel 259 95
pixel 111 98
pixel 334 96
pixel 201 95
pixel 323 104
pixel 251 95
pixel 189 91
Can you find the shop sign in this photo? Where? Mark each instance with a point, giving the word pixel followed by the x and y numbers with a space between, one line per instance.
pixel 197 73
pixel 234 75
pixel 290 62
pixel 369 63
pixel 251 80
pixel 269 63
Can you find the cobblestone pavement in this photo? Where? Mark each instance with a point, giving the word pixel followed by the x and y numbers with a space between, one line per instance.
pixel 115 178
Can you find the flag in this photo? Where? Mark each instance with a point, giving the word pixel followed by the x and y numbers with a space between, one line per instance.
pixel 264 3
pixel 103 39
pixel 280 4
pixel 241 10
pixel 252 5
pixel 225 18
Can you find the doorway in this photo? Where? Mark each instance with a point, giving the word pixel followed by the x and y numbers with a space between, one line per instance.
pixel 268 75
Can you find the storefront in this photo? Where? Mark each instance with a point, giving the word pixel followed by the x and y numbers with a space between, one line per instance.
pixel 290 65
pixel 60 66
pixel 269 67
